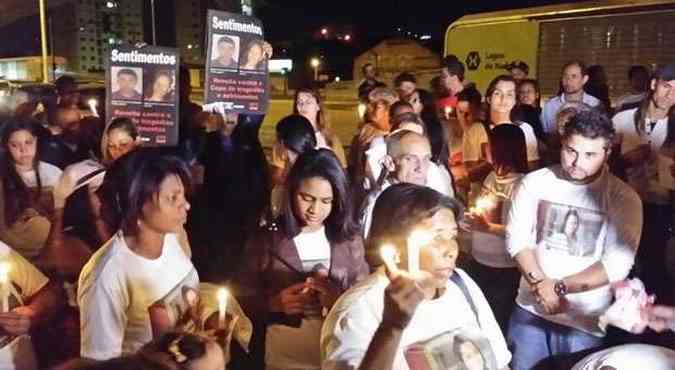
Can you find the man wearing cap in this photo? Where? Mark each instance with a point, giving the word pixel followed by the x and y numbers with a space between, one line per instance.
pixel 518 69
pixel 574 77
pixel 643 133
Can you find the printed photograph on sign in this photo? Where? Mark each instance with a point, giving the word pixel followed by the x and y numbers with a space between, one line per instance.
pixel 142 84
pixel 160 85
pixel 127 83
pixel 225 52
pixel 253 56
pixel 237 78
pixel 568 229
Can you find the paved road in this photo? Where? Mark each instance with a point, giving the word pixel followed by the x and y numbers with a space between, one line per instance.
pixel 341 115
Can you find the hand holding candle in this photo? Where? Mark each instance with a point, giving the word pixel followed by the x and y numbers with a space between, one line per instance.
pixel 389 256
pixel 222 307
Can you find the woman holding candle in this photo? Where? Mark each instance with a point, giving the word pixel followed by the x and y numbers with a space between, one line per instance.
pixel 146 260
pixel 26 199
pixel 492 267
pixel 292 276
pixel 29 300
pixel 77 205
pixel 377 323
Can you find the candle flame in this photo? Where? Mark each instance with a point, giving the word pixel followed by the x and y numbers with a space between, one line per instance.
pixel 222 295
pixel 389 256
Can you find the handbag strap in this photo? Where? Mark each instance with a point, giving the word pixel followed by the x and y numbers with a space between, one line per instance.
pixel 459 282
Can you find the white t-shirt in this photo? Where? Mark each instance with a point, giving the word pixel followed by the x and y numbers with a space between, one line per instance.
pixel 630 357
pixel 49 176
pixel 26 281
pixel 367 218
pixel 644 178
pixel 530 141
pixel 351 324
pixel 600 222
pixel 486 248
pixel 472 142
pixel 116 289
pixel 298 348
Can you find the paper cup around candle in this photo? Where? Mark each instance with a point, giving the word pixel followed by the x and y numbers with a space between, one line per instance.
pixel 5 285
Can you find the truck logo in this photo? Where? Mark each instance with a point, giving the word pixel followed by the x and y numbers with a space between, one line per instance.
pixel 472 61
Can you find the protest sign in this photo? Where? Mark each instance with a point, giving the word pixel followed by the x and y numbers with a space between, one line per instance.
pixel 142 84
pixel 236 64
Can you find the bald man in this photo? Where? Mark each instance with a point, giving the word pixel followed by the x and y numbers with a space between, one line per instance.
pixel 407 161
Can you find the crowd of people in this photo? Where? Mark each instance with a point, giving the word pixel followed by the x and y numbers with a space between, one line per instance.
pixel 510 217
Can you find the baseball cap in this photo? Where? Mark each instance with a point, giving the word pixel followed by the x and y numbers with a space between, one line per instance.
pixel 666 72
pixel 520 65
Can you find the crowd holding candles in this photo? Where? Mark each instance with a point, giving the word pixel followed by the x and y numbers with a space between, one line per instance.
pixel 458 231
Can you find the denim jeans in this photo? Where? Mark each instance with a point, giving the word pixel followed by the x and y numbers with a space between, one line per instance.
pixel 532 340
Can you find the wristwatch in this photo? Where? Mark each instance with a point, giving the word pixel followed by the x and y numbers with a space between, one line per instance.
pixel 560 288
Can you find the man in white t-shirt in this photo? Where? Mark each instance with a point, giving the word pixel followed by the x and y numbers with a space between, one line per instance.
pixel 573 229
pixel 408 160
pixel 574 77
pixel 394 319
pixel 642 133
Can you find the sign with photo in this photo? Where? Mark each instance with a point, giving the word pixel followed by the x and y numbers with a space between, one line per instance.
pixel 142 84
pixel 236 64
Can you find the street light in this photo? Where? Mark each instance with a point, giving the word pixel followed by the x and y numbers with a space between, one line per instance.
pixel 315 62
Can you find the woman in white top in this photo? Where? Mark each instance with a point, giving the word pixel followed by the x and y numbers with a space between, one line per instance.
pixel 292 275
pixel 80 230
pixel 501 98
pixel 145 262
pixel 26 200
pixel 492 267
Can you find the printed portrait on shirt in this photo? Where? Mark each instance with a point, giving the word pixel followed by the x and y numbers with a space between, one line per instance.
pixel 165 312
pixel 460 349
pixel 568 229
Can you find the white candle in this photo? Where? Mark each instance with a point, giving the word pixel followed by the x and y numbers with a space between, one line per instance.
pixel 361 110
pixel 388 254
pixel 222 307
pixel 416 241
pixel 92 106
pixel 448 111
pixel 5 283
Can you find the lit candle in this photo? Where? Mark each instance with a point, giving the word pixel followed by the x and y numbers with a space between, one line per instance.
pixel 448 111
pixel 416 241
pixel 361 110
pixel 483 204
pixel 388 254
pixel 4 282
pixel 92 106
pixel 222 307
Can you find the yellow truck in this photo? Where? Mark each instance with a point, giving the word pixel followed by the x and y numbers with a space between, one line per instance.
pixel 613 33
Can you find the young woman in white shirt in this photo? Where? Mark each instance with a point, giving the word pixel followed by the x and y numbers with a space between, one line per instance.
pixel 146 260
pixel 492 267
pixel 26 199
